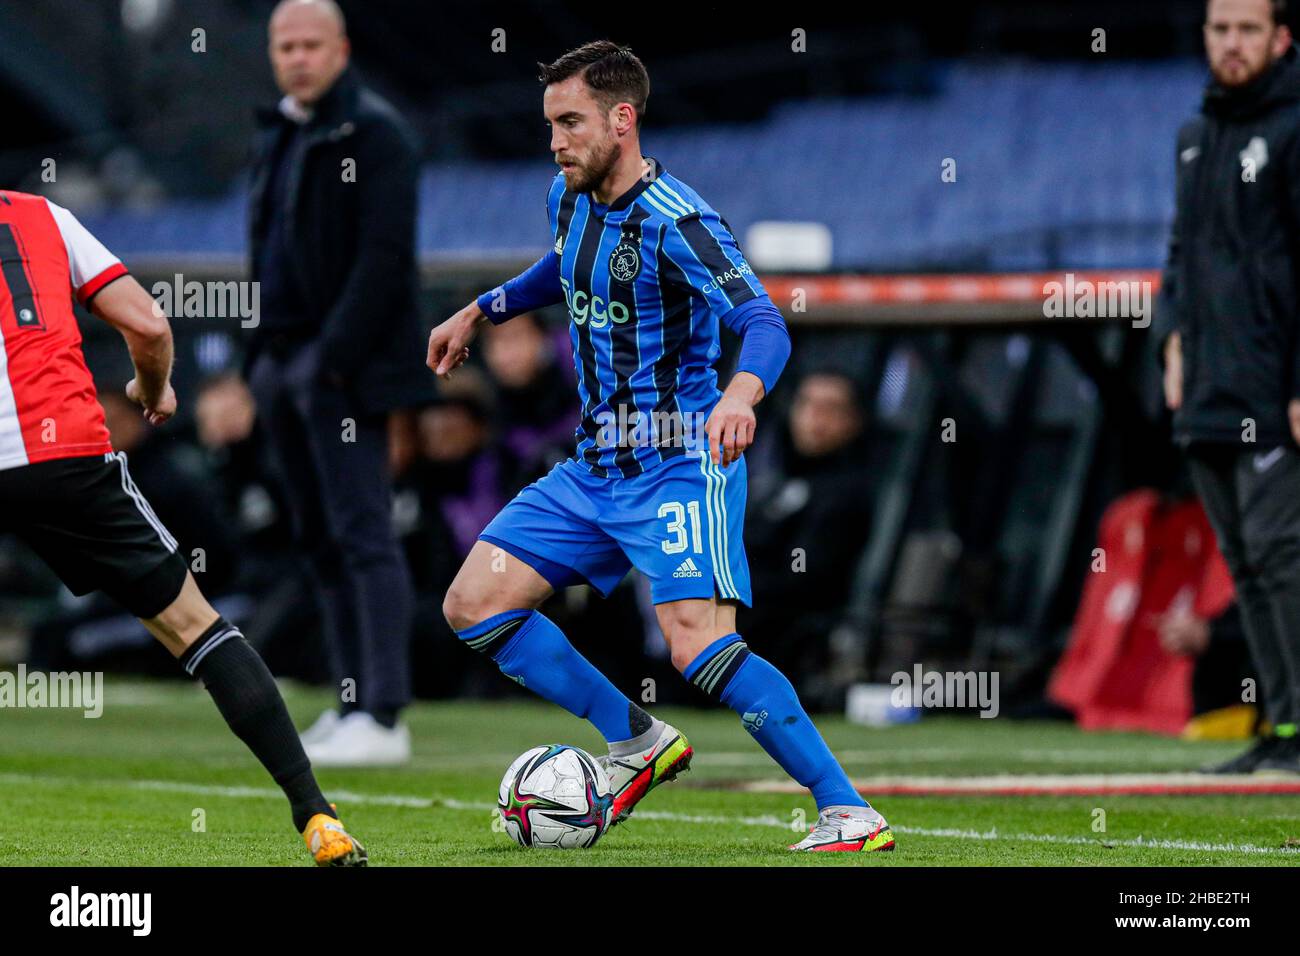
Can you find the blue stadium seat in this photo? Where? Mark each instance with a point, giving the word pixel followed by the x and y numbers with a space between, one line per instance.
pixel 1058 165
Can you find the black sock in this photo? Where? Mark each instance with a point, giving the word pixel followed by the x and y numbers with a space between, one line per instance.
pixel 385 718
pixel 638 720
pixel 245 693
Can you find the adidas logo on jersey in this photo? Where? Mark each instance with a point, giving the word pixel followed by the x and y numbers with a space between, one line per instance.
pixel 687 569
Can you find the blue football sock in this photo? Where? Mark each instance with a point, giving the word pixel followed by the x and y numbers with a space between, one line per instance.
pixel 770 710
pixel 531 650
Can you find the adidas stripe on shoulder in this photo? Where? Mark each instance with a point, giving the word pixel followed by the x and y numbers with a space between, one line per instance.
pixel 669 202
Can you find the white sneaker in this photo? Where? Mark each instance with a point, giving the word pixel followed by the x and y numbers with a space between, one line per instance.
pixel 359 740
pixel 322 728
pixel 852 829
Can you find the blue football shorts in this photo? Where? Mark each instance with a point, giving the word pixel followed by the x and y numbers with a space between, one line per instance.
pixel 681 524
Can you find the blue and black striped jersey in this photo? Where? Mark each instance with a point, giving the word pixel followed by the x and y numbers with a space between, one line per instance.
pixel 647 280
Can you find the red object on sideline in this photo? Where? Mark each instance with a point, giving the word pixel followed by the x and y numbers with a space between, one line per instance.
pixel 1157 557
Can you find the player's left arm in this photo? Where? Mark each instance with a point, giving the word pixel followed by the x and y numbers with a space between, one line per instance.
pixel 127 307
pixel 704 249
pixel 101 283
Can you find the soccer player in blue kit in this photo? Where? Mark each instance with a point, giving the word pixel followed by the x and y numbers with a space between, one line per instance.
pixel 648 270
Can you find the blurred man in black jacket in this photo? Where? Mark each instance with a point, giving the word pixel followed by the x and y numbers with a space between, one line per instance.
pixel 333 212
pixel 1228 337
pixel 809 517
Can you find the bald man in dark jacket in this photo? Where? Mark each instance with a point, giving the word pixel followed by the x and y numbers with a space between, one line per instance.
pixel 338 346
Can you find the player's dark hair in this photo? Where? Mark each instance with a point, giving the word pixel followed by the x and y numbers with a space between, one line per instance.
pixel 613 73
pixel 1277 7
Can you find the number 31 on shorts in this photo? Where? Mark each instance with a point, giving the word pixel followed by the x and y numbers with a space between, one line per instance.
pixel 676 514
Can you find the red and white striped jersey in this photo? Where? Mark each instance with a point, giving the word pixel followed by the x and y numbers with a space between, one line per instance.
pixel 48 406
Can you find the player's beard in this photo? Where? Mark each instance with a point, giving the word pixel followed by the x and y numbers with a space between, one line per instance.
pixel 592 173
pixel 1243 78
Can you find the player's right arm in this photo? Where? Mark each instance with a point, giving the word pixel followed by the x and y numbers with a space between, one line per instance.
pixel 534 288
pixel 127 307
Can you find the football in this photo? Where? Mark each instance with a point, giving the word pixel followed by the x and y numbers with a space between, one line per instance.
pixel 555 797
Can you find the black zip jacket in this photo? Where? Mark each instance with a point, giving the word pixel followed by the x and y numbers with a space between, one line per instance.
pixel 351 244
pixel 1230 285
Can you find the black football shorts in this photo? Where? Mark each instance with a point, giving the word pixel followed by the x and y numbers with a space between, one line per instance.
pixel 90 524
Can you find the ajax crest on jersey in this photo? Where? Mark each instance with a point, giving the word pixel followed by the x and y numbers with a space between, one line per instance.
pixel 625 262
pixel 555 797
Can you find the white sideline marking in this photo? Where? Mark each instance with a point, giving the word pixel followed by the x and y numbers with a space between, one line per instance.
pixel 766 820
pixel 1076 784
pixel 717 759
pixel 737 758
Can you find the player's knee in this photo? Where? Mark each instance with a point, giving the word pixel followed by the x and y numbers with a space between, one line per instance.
pixel 686 635
pixel 682 655
pixel 182 621
pixel 460 607
pixel 468 602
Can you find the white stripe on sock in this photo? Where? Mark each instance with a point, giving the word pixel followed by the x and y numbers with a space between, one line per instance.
pixel 210 646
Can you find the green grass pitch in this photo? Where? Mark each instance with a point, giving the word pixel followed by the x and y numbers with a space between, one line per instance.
pixel 127 788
